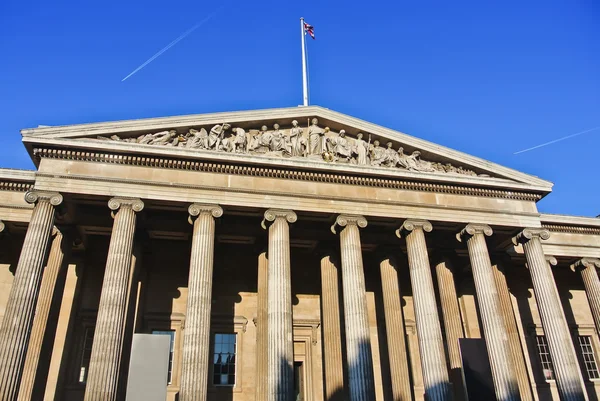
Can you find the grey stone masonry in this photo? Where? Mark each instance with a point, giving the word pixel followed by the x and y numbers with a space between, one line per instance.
pixel 361 382
pixel 196 336
pixel 396 334
pixel 496 339
pixel 103 376
pixel 429 333
pixel 566 368
pixel 280 350
pixel 20 308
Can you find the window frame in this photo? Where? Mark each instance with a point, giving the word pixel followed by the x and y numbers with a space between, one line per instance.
pixel 593 354
pixel 173 338
pixel 235 353
pixel 237 325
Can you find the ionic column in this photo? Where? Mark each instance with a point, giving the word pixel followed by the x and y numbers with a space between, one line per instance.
pixel 361 382
pixel 20 308
pixel 196 336
pixel 395 333
pixel 514 341
pixel 2 226
pixel 496 340
pixel 280 352
pixel 103 374
pixel 332 332
pixel 452 322
pixel 262 316
pixel 564 360
pixel 53 270
pixel 429 333
pixel 587 267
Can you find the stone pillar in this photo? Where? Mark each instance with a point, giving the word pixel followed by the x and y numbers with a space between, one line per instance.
pixel 587 267
pixel 53 270
pixel 566 368
pixel 196 335
pixel 280 352
pixel 496 339
pixel 514 340
pixel 332 332
pixel 262 317
pixel 361 382
pixel 429 333
pixel 395 333
pixel 452 322
pixel 20 308
pixel 103 376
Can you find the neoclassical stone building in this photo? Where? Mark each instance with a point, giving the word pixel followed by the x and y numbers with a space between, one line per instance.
pixel 290 254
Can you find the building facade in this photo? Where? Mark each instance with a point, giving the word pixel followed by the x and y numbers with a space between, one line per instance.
pixel 290 254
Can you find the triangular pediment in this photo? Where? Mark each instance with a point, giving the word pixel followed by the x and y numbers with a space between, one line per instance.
pixel 290 138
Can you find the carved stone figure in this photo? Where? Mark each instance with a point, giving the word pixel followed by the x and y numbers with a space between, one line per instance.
pixel 316 137
pixel 377 153
pixel 391 156
pixel 414 163
pixel 237 143
pixel 215 137
pixel 340 146
pixel 361 148
pixel 278 140
pixel 197 139
pixel 401 158
pixel 297 141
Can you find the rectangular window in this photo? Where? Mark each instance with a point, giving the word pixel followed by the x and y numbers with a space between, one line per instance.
pixel 589 360
pixel 544 354
pixel 171 334
pixel 224 359
pixel 86 353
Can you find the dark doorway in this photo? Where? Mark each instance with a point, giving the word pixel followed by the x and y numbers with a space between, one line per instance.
pixel 299 381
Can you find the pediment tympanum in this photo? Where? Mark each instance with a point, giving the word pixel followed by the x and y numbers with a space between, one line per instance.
pixel 311 138
pixel 313 142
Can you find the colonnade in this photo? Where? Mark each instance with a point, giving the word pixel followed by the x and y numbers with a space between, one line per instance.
pixel 19 331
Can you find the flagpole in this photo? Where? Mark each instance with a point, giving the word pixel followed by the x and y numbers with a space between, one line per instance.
pixel 304 77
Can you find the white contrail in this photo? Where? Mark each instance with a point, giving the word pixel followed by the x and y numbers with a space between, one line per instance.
pixel 557 140
pixel 173 43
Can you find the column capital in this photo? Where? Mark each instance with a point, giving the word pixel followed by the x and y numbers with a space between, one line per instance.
pixel 136 204
pixel 413 224
pixel 349 219
pixel 272 214
pixel 2 226
pixel 471 229
pixel 551 260
pixel 583 263
pixel 54 198
pixel 196 209
pixel 529 233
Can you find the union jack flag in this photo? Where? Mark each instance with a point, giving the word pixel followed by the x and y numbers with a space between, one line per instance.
pixel 310 30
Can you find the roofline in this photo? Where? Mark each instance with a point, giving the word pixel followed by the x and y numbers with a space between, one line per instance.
pixel 565 219
pixel 17 175
pixel 161 123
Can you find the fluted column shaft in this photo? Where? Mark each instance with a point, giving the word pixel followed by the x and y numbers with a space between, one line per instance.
pixel 429 333
pixel 262 333
pixel 280 352
pixel 496 339
pixel 196 336
pixel 514 341
pixel 564 360
pixel 103 376
pixel 332 332
pixel 587 267
pixel 395 333
pixel 53 269
pixel 361 386
pixel 20 308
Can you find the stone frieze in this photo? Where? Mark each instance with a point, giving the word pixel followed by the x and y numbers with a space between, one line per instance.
pixel 314 143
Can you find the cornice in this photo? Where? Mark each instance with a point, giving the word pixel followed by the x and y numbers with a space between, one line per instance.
pixel 571 229
pixel 15 186
pixel 255 171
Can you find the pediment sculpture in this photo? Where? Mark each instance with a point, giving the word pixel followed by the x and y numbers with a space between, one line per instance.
pixel 318 144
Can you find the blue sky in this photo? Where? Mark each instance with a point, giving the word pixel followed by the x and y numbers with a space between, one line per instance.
pixel 486 79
